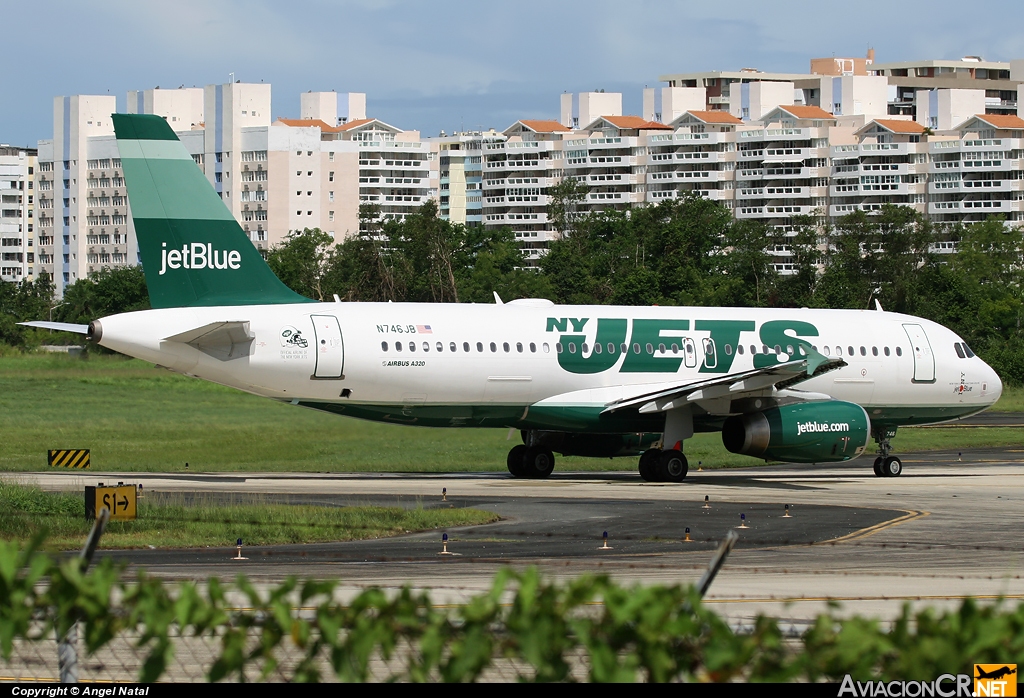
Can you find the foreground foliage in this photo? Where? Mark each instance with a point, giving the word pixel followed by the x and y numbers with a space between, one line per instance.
pixel 589 628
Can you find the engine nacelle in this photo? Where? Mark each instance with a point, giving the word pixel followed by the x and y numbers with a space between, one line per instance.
pixel 828 431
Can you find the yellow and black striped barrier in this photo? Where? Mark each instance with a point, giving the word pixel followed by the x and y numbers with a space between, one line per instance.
pixel 68 458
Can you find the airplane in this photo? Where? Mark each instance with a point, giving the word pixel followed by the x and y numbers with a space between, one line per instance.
pixel 994 674
pixel 794 385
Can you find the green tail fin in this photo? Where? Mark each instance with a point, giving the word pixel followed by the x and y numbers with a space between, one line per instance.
pixel 194 253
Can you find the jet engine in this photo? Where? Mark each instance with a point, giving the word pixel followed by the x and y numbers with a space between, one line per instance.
pixel 825 431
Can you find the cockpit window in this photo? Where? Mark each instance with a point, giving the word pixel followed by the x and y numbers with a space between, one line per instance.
pixel 967 349
pixel 959 350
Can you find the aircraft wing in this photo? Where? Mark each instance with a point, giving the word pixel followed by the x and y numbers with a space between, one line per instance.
pixel 60 326
pixel 732 386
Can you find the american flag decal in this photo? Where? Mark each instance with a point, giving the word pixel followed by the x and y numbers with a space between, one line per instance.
pixel 423 329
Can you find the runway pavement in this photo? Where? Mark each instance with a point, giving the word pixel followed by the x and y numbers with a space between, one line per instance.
pixel 942 531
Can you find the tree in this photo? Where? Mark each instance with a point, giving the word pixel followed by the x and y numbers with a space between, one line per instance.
pixel 103 293
pixel 20 302
pixel 301 261
pixel 564 200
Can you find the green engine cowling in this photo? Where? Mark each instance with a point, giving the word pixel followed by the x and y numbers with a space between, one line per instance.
pixel 828 431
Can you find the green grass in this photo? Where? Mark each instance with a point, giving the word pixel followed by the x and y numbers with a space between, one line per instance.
pixel 27 510
pixel 135 417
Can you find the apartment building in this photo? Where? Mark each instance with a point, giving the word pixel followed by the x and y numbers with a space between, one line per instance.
pixel 976 171
pixel 887 165
pixel 609 155
pixel 698 157
pixel 518 173
pixel 17 213
pixel 907 81
pixel 460 174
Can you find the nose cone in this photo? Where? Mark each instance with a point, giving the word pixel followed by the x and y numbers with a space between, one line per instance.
pixel 995 385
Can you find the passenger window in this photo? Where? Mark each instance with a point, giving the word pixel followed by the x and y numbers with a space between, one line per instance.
pixel 611 348
pixel 384 346
pixel 874 351
pixel 825 350
pixel 558 347
pixel 863 351
pixel 885 350
pixel 546 348
pixel 778 349
pixel 465 347
pixel 728 350
pixel 789 349
pixel 970 354
pixel 650 348
pixel 739 348
pixel 519 347
pixel 440 346
pixel 675 348
pixel 426 346
pixel 453 348
pixel 598 349
pixel 479 346
pixel 623 347
pixel 850 350
pixel 506 347
pixel 839 351
pixel 636 348
pixel 412 346
pixel 398 346
pixel 572 347
pixel 533 348
pixel 899 351
pixel 494 347
pixel 661 348
pixel 764 348
pixel 753 350
pixel 959 351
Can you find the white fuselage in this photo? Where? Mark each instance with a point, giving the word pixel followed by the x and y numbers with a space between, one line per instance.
pixel 513 353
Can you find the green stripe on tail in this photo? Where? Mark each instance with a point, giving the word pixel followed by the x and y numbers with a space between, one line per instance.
pixel 194 253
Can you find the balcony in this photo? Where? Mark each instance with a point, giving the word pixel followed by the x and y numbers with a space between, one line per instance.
pixel 976 185
pixel 700 156
pixel 984 207
pixel 773 211
pixel 612 180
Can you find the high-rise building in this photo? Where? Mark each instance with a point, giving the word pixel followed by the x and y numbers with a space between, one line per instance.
pixel 17 213
pixel 460 174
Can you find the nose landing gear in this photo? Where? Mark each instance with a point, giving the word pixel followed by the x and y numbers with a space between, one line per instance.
pixel 886 465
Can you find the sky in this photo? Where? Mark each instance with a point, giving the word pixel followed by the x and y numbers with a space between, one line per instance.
pixel 455 65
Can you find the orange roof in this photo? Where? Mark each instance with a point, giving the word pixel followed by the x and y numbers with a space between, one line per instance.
pixel 900 126
pixel 352 124
pixel 543 125
pixel 323 125
pixel 715 117
pixel 802 112
pixel 634 122
pixel 1003 120
pixel 306 123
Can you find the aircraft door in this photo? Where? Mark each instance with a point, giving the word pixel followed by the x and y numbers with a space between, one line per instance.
pixel 330 349
pixel 689 353
pixel 924 359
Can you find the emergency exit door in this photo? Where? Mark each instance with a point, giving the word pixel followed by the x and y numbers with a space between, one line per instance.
pixel 330 349
pixel 924 359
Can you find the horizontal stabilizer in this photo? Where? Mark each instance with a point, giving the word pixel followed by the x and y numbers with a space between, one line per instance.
pixel 224 341
pixel 59 326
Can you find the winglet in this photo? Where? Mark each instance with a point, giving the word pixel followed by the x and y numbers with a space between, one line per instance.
pixel 814 359
pixel 878 306
pixel 497 299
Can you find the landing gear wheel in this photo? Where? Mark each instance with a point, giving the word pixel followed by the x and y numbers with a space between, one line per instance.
pixel 516 461
pixel 538 462
pixel 892 467
pixel 672 466
pixel 878 467
pixel 649 465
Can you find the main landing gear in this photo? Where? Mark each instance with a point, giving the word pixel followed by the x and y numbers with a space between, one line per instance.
pixel 531 461
pixel 886 465
pixel 663 466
